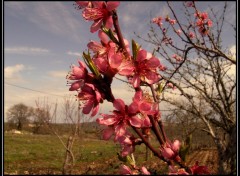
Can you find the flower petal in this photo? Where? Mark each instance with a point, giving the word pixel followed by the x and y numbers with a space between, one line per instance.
pixel 103 37
pixel 152 77
pixel 107 133
pixel 136 81
pixel 95 110
pixel 115 61
pixel 153 63
pixel 119 105
pixel 145 106
pixel 133 108
pixel 111 5
pixel 135 121
pixel 109 22
pixel 142 54
pixel 87 107
pixel 96 25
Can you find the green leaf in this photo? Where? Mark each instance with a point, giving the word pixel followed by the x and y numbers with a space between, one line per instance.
pixel 135 49
pixel 89 62
pixel 110 34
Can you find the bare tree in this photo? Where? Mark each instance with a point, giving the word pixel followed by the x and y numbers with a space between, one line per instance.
pixel 72 117
pixel 19 114
pixel 201 70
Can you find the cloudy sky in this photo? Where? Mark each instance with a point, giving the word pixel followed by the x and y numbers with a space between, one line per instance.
pixel 42 40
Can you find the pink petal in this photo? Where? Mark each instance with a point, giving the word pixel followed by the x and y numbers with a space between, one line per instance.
pixel 96 25
pixel 79 73
pixel 107 133
pixel 88 88
pixel 133 108
pixel 145 171
pixel 95 46
pixel 97 4
pixel 101 64
pixel 135 121
pixel 115 61
pixel 149 55
pixel 146 122
pixel 98 96
pixel 107 120
pixel 87 107
pixel 126 71
pixel 82 3
pixel 153 63
pixel 126 68
pixel 76 85
pixel 128 149
pixel 103 37
pixel 95 110
pixel 125 170
pixel 176 145
pixel 145 106
pixel 152 77
pixel 109 22
pixel 142 54
pixel 138 96
pixel 119 105
pixel 120 130
pixel 111 5
pixel 167 153
pixel 136 81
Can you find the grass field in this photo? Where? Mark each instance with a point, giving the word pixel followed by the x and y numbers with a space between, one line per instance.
pixel 44 154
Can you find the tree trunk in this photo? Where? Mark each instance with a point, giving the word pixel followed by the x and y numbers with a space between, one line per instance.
pixel 68 163
pixel 227 153
pixel 19 126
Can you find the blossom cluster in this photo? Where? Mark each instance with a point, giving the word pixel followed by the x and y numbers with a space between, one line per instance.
pixel 92 80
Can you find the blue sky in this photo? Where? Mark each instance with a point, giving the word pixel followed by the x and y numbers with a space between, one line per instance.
pixel 42 40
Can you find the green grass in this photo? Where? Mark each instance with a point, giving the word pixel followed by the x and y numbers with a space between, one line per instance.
pixel 28 152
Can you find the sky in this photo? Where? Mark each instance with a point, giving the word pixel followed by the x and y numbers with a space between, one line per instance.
pixel 42 40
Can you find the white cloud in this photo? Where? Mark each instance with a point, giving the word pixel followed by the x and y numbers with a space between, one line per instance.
pixel 56 18
pixel 74 53
pixel 25 50
pixel 13 71
pixel 57 74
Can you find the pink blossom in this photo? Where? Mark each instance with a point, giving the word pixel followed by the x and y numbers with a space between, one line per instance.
pixel 179 31
pixel 114 64
pixel 76 85
pixel 127 145
pixel 78 72
pixel 158 21
pixel 125 170
pixel 120 119
pixel 199 170
pixel 209 23
pixel 104 49
pixel 170 85
pixel 101 13
pixel 145 106
pixel 203 15
pixel 191 35
pixel 145 69
pixel 172 21
pixel 91 97
pixel 175 171
pixel 177 58
pixel 162 67
pixel 170 151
